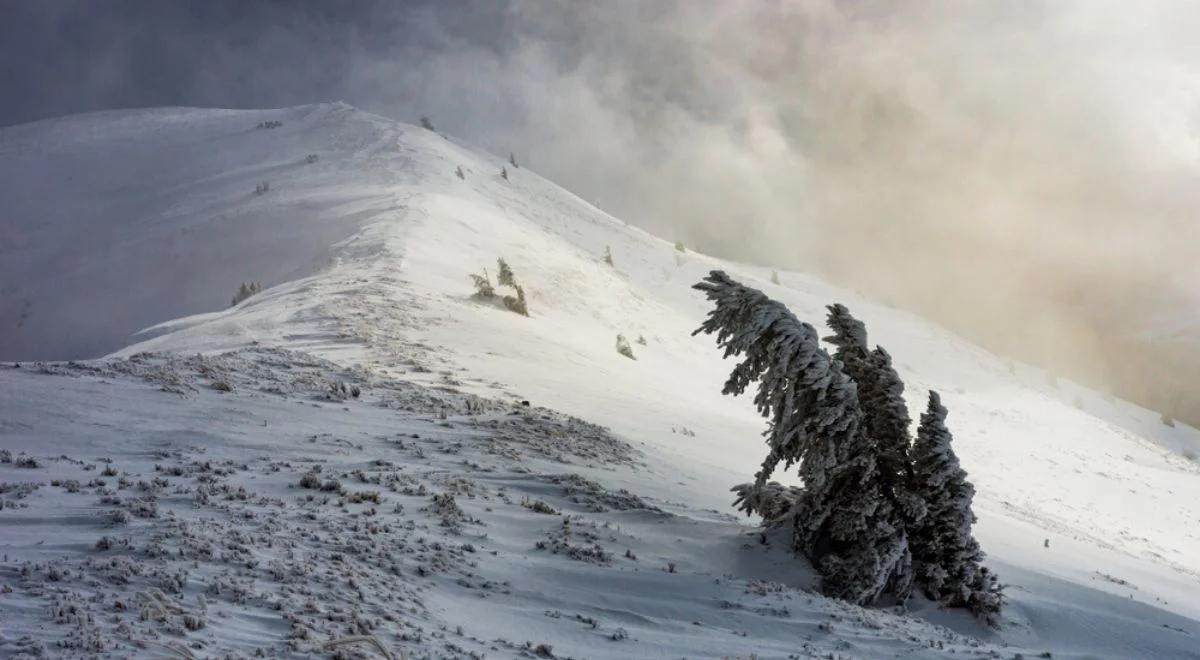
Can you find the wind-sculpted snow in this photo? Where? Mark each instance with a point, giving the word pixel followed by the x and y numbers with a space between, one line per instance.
pixel 138 217
pixel 177 517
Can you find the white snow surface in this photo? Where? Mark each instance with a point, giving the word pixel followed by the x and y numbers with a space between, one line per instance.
pixel 183 454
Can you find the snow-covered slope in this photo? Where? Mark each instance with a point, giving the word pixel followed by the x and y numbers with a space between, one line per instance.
pixel 367 254
pixel 117 220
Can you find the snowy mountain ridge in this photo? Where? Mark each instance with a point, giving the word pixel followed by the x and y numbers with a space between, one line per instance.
pixel 365 252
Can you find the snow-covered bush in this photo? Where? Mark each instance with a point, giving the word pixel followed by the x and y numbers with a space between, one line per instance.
pixel 679 247
pixel 427 124
pixel 608 255
pixel 458 172
pixel 945 554
pixel 624 348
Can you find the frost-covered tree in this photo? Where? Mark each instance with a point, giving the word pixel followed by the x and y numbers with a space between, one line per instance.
pixel 516 303
pixel 246 290
pixel 505 276
pixel 483 286
pixel 504 173
pixel 841 519
pixel 608 255
pixel 512 160
pixel 427 124
pixel 624 348
pixel 946 557
pixel 458 172
pixel 881 397
pixel 881 394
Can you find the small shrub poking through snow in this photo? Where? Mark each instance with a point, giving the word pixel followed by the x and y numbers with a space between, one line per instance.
pixel 608 255
pixel 427 124
pixel 311 481
pixel 679 247
pixel 624 348
pixel 459 173
pixel 538 506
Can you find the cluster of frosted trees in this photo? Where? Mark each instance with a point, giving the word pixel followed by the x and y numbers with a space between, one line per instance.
pixel 879 513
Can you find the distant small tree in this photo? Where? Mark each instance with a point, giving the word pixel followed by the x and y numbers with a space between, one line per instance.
pixel 679 246
pixel 517 303
pixel 641 340
pixel 624 348
pixel 311 158
pixel 504 173
pixel 483 286
pixel 262 188
pixel 459 173
pixel 512 160
pixel 244 291
pixel 427 124
pixel 505 276
pixel 484 291
pixel 608 255
pixel 774 277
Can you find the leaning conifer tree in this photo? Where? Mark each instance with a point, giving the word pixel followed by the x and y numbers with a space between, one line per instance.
pixel 881 397
pixel 840 519
pixel 946 557
pixel 881 393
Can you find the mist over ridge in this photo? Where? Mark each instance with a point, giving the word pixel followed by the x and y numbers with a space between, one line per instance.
pixel 1022 172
